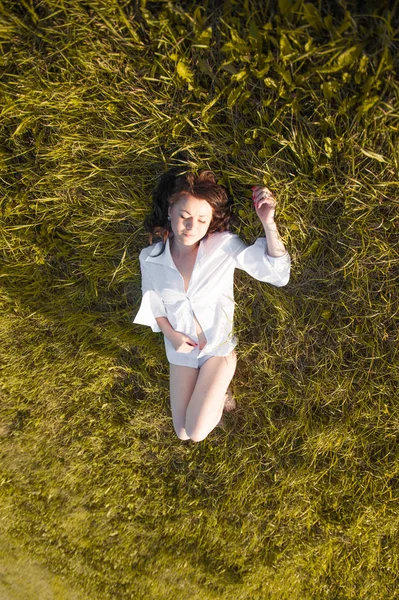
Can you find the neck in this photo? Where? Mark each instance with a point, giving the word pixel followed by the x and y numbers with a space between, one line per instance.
pixel 181 250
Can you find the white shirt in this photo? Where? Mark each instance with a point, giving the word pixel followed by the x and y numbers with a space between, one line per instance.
pixel 210 294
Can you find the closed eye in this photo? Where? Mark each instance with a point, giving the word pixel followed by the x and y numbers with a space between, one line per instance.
pixel 183 217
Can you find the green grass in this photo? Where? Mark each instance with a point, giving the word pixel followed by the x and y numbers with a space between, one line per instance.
pixel 298 498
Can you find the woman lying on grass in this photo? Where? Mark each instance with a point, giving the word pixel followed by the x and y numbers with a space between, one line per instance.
pixel 187 284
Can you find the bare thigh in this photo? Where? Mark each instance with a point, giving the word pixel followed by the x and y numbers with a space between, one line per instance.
pixel 207 400
pixel 182 384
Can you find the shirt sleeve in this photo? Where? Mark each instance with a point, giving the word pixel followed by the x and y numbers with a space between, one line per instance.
pixel 152 305
pixel 257 263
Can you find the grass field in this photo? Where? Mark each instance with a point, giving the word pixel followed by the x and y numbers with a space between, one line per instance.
pixel 298 497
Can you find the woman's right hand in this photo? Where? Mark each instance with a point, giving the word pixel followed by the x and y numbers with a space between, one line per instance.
pixel 182 343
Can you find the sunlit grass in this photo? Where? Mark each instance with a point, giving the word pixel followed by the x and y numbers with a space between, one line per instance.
pixel 298 497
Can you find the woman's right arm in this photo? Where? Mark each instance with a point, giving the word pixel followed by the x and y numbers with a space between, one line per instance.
pixel 153 314
pixel 180 341
pixel 165 327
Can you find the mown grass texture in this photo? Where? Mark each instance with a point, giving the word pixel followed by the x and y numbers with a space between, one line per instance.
pixel 298 496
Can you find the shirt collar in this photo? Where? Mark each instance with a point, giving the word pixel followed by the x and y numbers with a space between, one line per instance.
pixel 166 258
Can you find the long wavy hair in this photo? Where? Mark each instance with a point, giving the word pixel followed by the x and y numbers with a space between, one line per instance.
pixel 170 188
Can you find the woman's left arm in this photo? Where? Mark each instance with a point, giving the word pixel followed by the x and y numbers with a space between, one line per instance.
pixel 265 206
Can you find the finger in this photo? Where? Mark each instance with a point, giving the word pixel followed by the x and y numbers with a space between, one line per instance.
pixel 260 188
pixel 268 194
pixel 262 192
pixel 270 200
pixel 256 191
pixel 265 197
pixel 256 198
pixel 262 206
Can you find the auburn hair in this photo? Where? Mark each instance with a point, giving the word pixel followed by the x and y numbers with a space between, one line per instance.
pixel 171 186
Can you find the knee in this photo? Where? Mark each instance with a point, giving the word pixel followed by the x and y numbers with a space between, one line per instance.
pixel 198 437
pixel 181 433
pixel 197 434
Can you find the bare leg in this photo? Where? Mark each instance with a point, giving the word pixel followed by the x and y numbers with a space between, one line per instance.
pixel 205 407
pixel 182 384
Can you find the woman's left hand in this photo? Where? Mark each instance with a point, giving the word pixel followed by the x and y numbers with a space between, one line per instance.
pixel 264 203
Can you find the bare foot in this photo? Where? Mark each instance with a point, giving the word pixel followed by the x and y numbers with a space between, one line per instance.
pixel 229 402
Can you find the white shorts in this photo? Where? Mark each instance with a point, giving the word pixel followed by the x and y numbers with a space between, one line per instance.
pixel 190 359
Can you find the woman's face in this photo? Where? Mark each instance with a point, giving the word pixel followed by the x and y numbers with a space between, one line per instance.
pixel 190 218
